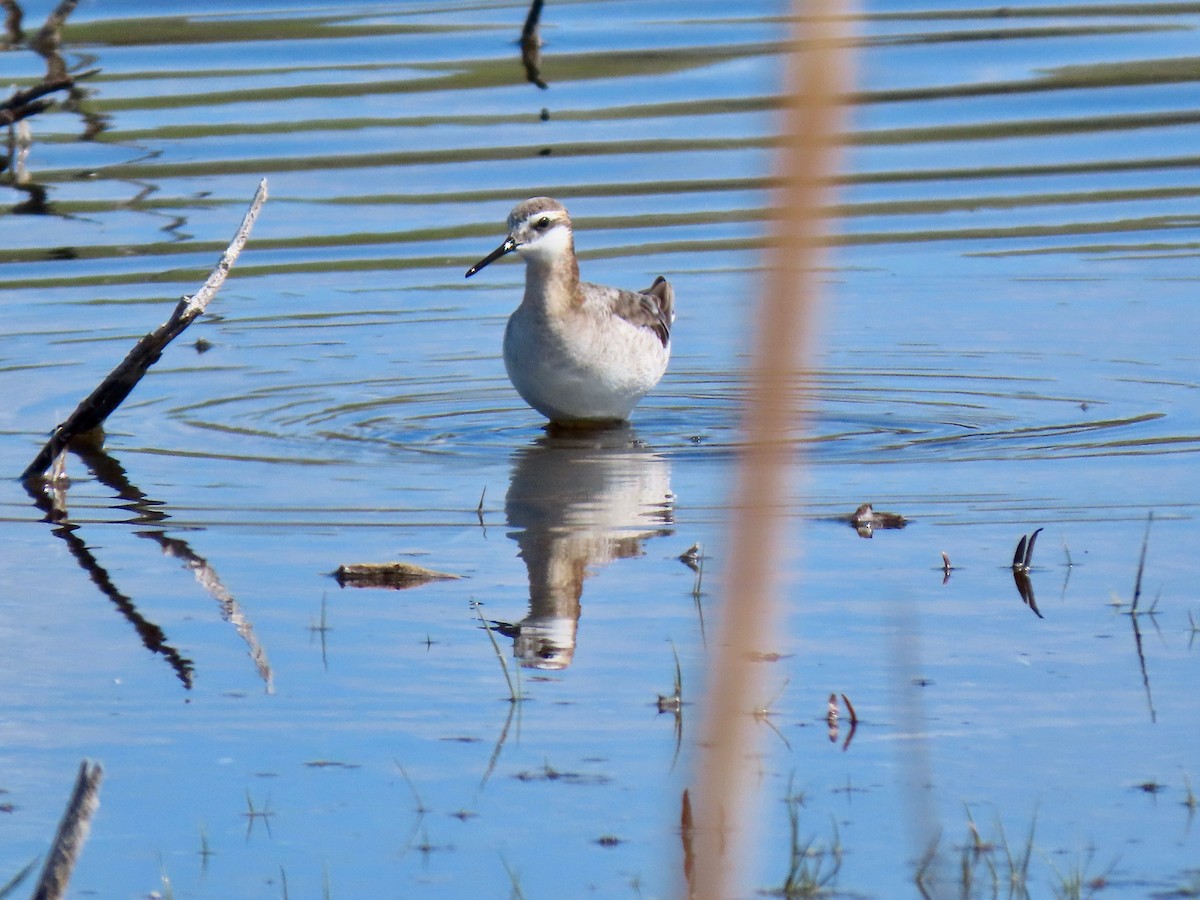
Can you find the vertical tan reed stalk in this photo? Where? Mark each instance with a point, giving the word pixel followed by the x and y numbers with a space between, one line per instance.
pixel 816 83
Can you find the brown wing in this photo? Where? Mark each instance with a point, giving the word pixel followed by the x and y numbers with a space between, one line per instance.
pixel 653 308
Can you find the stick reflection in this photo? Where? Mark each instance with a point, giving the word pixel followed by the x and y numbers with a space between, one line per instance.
pixel 146 511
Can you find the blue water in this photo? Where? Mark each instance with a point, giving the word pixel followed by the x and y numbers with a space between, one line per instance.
pixel 1021 355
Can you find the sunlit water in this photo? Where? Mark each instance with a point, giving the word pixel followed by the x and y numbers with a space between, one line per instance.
pixel 1007 342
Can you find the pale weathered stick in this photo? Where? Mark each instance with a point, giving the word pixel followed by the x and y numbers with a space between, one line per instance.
pixel 112 391
pixel 71 834
pixel 816 85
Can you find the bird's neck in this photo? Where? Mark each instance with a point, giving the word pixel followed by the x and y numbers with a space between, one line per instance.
pixel 552 281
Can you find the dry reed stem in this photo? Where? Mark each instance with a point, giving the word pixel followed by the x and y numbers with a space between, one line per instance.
pixel 817 80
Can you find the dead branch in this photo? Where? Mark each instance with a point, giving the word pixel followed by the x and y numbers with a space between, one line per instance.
pixel 71 834
pixel 90 415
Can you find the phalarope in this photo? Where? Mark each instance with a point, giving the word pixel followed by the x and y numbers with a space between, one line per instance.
pixel 579 353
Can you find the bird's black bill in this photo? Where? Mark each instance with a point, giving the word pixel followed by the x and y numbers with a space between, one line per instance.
pixel 507 247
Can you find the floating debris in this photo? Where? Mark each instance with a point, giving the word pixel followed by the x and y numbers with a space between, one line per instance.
pixel 831 720
pixel 691 557
pixel 866 519
pixel 549 773
pixel 672 704
pixel 768 656
pixel 397 575
pixel 1022 559
pixel 1023 556
pixel 850 709
pixel 946 567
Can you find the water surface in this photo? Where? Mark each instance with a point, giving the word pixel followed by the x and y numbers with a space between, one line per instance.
pixel 1007 342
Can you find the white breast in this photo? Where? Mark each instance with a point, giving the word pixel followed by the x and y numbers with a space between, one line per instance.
pixel 590 368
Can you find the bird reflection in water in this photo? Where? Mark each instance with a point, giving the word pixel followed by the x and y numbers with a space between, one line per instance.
pixel 578 500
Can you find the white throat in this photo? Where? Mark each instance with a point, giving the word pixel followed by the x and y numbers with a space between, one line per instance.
pixel 548 248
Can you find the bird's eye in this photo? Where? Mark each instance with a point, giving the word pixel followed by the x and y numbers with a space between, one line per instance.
pixel 542 224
